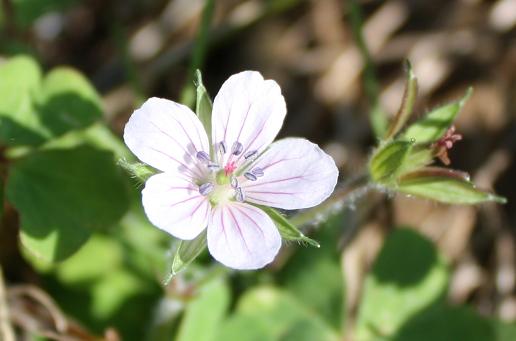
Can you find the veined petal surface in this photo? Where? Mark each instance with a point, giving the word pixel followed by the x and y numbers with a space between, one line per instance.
pixel 248 110
pixel 173 203
pixel 242 236
pixel 167 135
pixel 296 174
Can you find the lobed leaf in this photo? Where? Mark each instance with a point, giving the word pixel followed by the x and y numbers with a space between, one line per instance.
pixel 62 195
pixel 20 79
pixel 399 286
pixel 68 101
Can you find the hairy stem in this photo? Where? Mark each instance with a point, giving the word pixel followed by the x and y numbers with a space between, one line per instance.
pixel 344 195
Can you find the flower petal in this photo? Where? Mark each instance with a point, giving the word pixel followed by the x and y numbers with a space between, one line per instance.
pixel 173 203
pixel 167 136
pixel 297 174
pixel 242 236
pixel 247 109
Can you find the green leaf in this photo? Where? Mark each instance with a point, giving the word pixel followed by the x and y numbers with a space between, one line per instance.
pixel 444 185
pixel 448 323
pixel 204 314
pixel 187 251
pixel 97 135
pixel 435 124
pixel 407 103
pixel 20 79
pixel 268 313
pixel 399 286
pixel 287 230
pixel 388 160
pixel 68 101
pixel 203 105
pixel 307 271
pixel 62 196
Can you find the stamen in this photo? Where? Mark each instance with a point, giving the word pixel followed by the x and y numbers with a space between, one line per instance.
pixel 258 172
pixel 213 166
pixel 234 182
pixel 203 156
pixel 250 154
pixel 239 194
pixel 237 148
pixel 250 176
pixel 206 188
pixel 222 147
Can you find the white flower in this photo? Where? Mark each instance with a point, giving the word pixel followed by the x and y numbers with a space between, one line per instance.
pixel 215 186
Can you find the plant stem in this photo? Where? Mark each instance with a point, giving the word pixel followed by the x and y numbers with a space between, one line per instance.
pixel 377 117
pixel 6 330
pixel 343 196
pixel 199 52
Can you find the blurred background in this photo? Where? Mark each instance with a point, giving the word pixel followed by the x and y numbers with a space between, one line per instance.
pixel 389 267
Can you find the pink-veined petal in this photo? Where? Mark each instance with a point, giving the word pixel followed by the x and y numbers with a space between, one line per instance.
pixel 242 236
pixel 297 174
pixel 247 109
pixel 173 203
pixel 167 136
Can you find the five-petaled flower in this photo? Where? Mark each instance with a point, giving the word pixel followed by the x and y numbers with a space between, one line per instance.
pixel 217 186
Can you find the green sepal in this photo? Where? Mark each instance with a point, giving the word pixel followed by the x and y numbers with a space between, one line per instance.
pixel 186 252
pixel 203 104
pixel 407 103
pixel 444 185
pixel 287 230
pixel 435 124
pixel 137 170
pixel 388 160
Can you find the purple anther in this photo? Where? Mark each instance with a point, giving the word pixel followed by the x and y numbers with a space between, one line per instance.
pixel 203 156
pixel 213 166
pixel 250 154
pixel 250 176
pixel 237 148
pixel 258 172
pixel 234 182
pixel 239 194
pixel 206 188
pixel 222 147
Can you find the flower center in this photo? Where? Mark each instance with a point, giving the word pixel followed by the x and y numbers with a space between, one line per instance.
pixel 230 168
pixel 223 183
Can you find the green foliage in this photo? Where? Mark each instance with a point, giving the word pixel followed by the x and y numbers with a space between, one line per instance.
pixel 205 312
pixel 399 286
pixel 444 185
pixel 62 197
pixel 20 79
pixel 315 277
pixel 268 313
pixel 388 160
pixel 67 101
pixel 435 124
